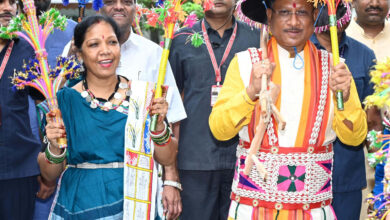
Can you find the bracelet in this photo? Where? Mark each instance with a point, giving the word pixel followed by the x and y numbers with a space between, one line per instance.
pixel 164 139
pixel 159 135
pixel 53 158
pixel 166 143
pixel 175 184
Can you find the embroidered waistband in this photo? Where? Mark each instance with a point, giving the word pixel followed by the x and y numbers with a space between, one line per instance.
pixel 296 179
pixel 277 205
pixel 87 165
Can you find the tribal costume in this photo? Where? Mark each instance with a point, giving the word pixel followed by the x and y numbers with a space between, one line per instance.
pixel 299 159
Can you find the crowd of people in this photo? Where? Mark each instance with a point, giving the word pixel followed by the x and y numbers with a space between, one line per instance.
pixel 246 129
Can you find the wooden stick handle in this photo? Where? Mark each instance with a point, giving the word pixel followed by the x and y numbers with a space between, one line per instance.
pixel 263 100
pixel 255 145
pixel 260 168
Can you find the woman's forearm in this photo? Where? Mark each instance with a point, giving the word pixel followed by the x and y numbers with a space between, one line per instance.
pixel 166 155
pixel 50 171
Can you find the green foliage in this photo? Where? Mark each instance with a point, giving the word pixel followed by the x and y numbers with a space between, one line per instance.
pixel 190 7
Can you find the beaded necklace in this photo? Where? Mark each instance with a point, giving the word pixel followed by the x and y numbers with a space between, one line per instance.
pixel 106 104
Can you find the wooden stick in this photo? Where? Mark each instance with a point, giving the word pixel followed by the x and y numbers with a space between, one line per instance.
pixel 260 168
pixel 264 55
pixel 255 145
pixel 279 117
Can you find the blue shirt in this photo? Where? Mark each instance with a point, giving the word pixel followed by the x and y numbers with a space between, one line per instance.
pixel 194 74
pixel 349 172
pixel 18 147
pixel 57 40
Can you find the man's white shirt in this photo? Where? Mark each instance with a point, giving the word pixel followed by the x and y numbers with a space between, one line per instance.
pixel 140 60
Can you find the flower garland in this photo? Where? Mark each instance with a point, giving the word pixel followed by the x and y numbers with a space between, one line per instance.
pixel 379 142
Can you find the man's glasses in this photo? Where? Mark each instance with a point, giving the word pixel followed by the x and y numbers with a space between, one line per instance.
pixel 286 14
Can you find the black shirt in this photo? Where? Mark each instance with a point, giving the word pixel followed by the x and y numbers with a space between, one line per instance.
pixel 18 147
pixel 194 74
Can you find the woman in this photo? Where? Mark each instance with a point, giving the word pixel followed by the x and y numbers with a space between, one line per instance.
pixel 92 185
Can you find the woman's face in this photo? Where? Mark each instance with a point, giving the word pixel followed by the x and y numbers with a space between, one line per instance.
pixel 100 50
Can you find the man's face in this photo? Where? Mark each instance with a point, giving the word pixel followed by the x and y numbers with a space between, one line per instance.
pixel 291 22
pixel 222 8
pixel 371 12
pixel 122 11
pixel 41 6
pixel 7 11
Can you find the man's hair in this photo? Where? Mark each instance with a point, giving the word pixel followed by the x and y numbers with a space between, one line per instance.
pixel 323 17
pixel 82 27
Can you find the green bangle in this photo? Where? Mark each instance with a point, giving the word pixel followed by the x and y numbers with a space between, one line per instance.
pixel 164 138
pixel 52 158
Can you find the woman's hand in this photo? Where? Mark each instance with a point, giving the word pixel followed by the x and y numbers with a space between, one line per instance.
pixel 54 130
pixel 160 106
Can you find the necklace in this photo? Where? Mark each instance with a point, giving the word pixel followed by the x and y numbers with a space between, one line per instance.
pixel 106 104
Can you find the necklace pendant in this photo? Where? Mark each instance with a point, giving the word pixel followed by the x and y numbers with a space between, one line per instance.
pixel 120 109
pixel 84 94
pixel 125 103
pixel 88 98
pixel 93 104
pixel 123 85
pixel 117 96
pixel 107 105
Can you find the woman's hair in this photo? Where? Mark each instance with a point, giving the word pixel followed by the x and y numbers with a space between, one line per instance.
pixel 82 28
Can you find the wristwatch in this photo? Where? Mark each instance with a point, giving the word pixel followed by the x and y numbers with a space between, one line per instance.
pixel 175 184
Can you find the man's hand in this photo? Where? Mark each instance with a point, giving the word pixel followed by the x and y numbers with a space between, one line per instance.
pixel 171 202
pixel 258 69
pixel 340 79
pixel 46 188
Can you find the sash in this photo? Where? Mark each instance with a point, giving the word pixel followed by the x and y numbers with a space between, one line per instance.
pixel 312 93
pixel 140 172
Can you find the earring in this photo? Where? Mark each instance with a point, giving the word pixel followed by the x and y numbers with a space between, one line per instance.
pixel 82 69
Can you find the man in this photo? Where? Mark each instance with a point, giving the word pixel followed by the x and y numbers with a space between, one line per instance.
pixel 18 147
pixel 140 60
pixel 205 164
pixel 297 161
pixel 370 26
pixel 349 172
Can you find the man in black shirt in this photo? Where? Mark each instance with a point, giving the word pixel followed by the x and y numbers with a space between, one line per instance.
pixel 205 164
pixel 18 147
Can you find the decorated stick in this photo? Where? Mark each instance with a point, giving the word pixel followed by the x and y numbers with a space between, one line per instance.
pixel 335 46
pixel 36 73
pixel 263 45
pixel 168 29
pixel 254 148
pixel 264 117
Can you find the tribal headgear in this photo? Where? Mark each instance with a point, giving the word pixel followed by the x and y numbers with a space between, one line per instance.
pixel 343 14
pixel 253 12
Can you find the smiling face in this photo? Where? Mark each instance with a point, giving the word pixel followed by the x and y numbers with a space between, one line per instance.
pixel 7 11
pixel 100 50
pixel 122 11
pixel 371 12
pixel 291 22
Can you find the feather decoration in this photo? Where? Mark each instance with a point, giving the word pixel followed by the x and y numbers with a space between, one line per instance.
pixel 97 4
